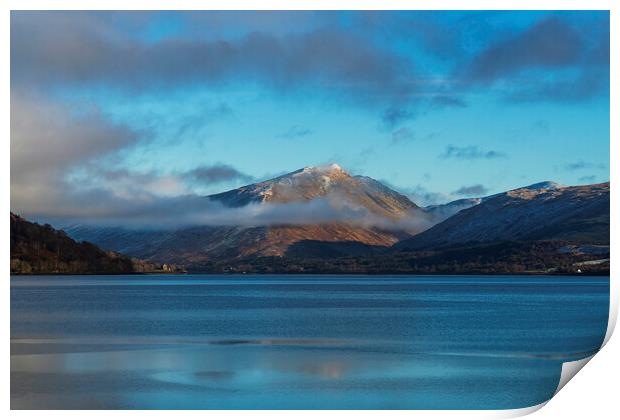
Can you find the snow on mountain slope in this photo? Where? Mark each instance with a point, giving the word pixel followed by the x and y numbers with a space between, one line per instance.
pixel 579 214
pixel 441 212
pixel 329 181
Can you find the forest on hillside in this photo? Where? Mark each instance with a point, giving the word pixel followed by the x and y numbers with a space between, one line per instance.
pixel 41 249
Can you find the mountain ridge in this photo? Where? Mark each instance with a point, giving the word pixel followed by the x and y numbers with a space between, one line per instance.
pixel 525 214
pixel 441 212
pixel 387 221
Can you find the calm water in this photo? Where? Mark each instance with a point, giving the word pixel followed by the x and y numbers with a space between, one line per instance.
pixel 298 341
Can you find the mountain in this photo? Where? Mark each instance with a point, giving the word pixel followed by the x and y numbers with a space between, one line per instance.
pixel 577 214
pixel 364 211
pixel 314 182
pixel 441 212
pixel 544 227
pixel 37 249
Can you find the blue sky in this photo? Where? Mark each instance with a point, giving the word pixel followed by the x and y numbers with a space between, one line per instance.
pixel 127 106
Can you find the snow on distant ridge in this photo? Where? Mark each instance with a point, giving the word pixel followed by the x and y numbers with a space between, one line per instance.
pixel 544 185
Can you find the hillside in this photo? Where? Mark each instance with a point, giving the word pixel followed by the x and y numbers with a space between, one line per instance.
pixel 575 214
pixel 41 249
pixel 441 212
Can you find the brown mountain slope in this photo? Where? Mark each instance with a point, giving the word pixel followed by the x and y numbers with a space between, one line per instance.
pixel 376 209
pixel 194 247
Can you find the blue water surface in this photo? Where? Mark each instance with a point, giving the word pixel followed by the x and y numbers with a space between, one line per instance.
pixel 287 342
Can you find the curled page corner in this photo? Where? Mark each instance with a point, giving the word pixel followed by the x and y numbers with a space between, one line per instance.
pixel 570 369
pixel 519 412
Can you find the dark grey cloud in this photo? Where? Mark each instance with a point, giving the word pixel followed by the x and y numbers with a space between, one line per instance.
pixel 579 165
pixel 216 174
pixel 470 153
pixel 134 182
pixel 295 131
pixel 78 48
pixel 471 190
pixel 517 65
pixel 550 43
pixel 48 141
pixel 300 50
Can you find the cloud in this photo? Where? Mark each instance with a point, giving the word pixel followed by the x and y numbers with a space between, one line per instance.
pixel 577 87
pixel 76 48
pixel 393 116
pixel 103 208
pixel 578 165
pixel 48 140
pixel 216 174
pixel 47 136
pixel 295 131
pixel 147 184
pixel 548 61
pixel 403 134
pixel 472 190
pixel 470 153
pixel 126 183
pixel 549 43
pixel 63 163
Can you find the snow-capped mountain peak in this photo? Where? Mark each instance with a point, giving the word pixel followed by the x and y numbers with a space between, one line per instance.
pixel 330 181
pixel 329 169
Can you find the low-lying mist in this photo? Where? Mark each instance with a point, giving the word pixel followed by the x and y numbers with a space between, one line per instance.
pixel 173 213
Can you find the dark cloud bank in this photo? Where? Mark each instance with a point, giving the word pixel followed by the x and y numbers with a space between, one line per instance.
pixel 551 44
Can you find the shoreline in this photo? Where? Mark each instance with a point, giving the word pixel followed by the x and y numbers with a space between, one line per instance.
pixel 524 274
